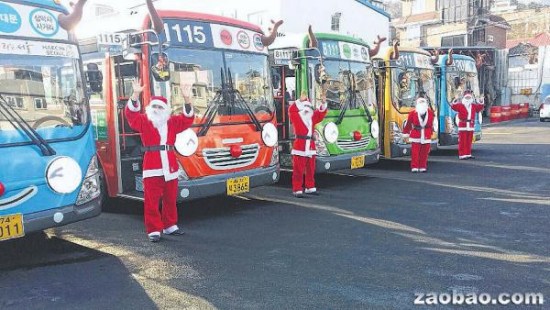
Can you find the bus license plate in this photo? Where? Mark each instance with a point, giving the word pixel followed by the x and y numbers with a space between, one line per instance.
pixel 357 162
pixel 11 226
pixel 238 185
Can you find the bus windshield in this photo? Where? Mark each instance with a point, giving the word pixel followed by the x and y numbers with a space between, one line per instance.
pixel 459 81
pixel 409 83
pixel 203 69
pixel 46 92
pixel 341 75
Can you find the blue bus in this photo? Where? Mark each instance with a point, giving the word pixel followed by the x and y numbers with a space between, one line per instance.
pixel 455 76
pixel 49 174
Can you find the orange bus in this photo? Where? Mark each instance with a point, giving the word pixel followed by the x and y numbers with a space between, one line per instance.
pixel 232 145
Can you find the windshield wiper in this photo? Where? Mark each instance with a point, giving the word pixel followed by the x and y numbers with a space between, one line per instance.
pixel 353 94
pixel 221 95
pixel 235 94
pixel 17 121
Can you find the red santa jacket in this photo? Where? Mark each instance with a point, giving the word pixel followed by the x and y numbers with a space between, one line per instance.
pixel 466 116
pixel 158 163
pixel 420 129
pixel 304 123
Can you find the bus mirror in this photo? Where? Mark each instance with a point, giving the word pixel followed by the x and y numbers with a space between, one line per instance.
pixel 318 73
pixel 94 78
pixel 275 79
pixel 160 69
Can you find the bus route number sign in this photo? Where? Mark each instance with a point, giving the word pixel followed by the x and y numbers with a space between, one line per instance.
pixel 187 33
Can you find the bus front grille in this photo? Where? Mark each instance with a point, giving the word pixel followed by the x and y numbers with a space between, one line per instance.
pixel 221 159
pixel 349 145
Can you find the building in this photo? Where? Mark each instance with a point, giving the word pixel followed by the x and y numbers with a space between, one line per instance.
pixel 356 18
pixel 450 23
pixel 503 6
pixel 529 69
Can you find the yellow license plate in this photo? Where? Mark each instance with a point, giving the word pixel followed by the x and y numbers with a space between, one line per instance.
pixel 237 186
pixel 357 162
pixel 11 226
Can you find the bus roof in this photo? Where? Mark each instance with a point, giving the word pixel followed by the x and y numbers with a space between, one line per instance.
pixel 300 40
pixel 47 4
pixel 206 18
pixel 385 52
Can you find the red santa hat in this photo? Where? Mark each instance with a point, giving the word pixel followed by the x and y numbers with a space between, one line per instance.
pixel 161 101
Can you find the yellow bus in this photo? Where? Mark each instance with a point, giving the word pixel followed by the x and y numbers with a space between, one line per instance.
pixel 403 74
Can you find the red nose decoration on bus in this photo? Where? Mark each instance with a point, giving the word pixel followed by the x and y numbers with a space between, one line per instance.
pixel 2 189
pixel 356 135
pixel 236 151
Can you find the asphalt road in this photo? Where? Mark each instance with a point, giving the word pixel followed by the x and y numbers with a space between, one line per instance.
pixel 373 239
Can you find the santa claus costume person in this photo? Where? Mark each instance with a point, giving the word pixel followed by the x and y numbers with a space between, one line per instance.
pixel 304 118
pixel 419 128
pixel 467 109
pixel 160 168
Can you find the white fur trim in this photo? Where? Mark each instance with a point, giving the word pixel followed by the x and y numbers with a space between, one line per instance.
pixel 298 192
pixel 307 153
pixel 464 156
pixel 170 229
pixel 310 190
pixel 131 106
pixel 422 169
pixel 323 107
pixel 152 173
pixel 154 233
pixel 159 102
pixel 414 170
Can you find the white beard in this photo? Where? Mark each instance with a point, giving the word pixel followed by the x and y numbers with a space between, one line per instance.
pixel 421 108
pixel 307 116
pixel 467 101
pixel 158 117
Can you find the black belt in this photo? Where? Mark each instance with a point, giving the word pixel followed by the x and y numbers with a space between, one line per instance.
pixel 420 127
pixel 304 137
pixel 158 148
pixel 464 120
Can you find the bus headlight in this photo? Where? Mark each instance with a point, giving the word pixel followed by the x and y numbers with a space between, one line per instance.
pixel 187 142
pixel 270 135
pixel 396 134
pixel 64 175
pixel 320 145
pixel 90 188
pixel 374 129
pixel 331 132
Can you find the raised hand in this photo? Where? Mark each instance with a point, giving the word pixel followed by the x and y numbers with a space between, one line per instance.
pixel 186 92
pixel 137 89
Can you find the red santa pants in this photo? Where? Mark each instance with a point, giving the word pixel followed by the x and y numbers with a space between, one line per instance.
pixel 465 143
pixel 419 155
pixel 155 190
pixel 301 165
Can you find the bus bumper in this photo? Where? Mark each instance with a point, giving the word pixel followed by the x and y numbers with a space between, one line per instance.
pixel 400 150
pixel 326 164
pixel 446 139
pixel 217 184
pixel 39 221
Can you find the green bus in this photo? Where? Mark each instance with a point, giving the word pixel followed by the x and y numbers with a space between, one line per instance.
pixel 348 137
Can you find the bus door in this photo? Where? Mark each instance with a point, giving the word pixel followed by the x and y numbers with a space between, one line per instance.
pixel 284 85
pixel 128 141
pixel 381 73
